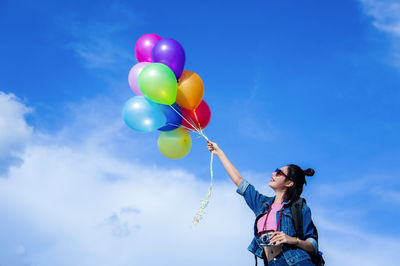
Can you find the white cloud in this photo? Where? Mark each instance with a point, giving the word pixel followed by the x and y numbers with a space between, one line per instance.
pixel 73 202
pixel 142 218
pixel 256 128
pixel 14 131
pixel 98 52
pixel 19 251
pixel 387 195
pixel 349 228
pixel 78 204
pixel 345 244
pixel 386 15
pixel 96 42
pixel 362 185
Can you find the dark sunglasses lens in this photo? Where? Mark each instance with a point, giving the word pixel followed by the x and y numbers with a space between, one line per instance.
pixel 278 172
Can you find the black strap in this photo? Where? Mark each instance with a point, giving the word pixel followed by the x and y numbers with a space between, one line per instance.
pixel 264 259
pixel 297 216
pixel 296 209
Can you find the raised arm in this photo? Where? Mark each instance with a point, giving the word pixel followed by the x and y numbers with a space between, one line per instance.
pixel 253 198
pixel 232 171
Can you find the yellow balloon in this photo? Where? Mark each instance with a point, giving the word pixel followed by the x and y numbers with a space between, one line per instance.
pixel 175 144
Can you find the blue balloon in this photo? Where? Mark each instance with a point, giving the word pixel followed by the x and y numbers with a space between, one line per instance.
pixel 173 119
pixel 143 115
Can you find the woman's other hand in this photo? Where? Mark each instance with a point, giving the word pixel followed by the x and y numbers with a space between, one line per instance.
pixel 278 238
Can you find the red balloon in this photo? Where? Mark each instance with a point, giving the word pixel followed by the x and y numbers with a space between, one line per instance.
pixel 200 116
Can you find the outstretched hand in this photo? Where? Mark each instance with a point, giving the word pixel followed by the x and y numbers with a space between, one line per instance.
pixel 213 147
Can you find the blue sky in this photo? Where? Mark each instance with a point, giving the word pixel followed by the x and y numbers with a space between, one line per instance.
pixel 311 83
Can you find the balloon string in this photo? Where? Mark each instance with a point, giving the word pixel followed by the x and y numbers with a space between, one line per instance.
pixel 199 215
pixel 204 203
pixel 182 127
pixel 185 119
pixel 199 128
pixel 192 124
pixel 201 135
pixel 204 136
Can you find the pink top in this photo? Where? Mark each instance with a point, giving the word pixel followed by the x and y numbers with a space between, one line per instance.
pixel 271 222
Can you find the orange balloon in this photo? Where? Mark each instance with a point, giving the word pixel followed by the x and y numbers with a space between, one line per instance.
pixel 190 90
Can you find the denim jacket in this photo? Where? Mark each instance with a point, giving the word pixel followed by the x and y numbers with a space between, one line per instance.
pixel 291 253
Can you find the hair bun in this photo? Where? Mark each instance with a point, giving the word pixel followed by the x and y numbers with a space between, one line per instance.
pixel 309 172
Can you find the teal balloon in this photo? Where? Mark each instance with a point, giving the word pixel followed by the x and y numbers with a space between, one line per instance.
pixel 143 115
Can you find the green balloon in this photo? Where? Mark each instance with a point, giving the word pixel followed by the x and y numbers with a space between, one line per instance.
pixel 158 83
pixel 175 144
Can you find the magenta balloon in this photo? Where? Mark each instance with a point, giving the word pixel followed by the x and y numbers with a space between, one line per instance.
pixel 169 52
pixel 144 46
pixel 133 77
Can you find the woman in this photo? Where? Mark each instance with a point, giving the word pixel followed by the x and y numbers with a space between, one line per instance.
pixel 273 215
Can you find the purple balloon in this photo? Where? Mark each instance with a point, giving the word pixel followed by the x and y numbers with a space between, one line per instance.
pixel 169 52
pixel 144 46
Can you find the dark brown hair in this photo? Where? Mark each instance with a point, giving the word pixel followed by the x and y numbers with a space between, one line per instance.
pixel 298 176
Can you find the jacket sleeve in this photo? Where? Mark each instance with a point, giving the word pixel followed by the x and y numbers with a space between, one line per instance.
pixel 309 230
pixel 252 197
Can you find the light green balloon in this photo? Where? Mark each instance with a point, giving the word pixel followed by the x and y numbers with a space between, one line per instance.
pixel 158 83
pixel 175 144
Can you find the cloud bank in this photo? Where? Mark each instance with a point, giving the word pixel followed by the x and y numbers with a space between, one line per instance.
pixel 73 202
pixel 15 133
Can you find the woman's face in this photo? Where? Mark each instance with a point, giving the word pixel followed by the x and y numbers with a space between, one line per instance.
pixel 278 179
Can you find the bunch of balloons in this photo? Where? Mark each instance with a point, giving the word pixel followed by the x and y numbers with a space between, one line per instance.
pixel 168 98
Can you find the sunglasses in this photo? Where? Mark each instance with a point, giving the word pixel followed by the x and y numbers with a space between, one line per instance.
pixel 279 172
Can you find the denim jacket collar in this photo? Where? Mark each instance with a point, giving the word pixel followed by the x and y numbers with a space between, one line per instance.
pixel 271 200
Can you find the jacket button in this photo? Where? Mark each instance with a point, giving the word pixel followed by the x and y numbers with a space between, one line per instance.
pixel 291 260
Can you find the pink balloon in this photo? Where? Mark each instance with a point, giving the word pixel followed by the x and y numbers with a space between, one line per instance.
pixel 133 77
pixel 144 46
